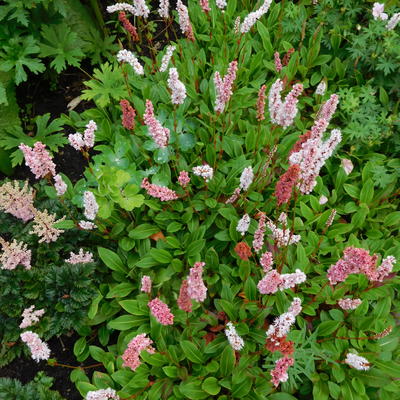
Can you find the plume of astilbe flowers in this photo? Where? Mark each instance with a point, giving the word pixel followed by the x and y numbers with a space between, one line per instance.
pixel 184 20
pixel 279 373
pixel 357 362
pixel 356 261
pixel 328 109
pixel 30 317
pixel 312 157
pixel 44 226
pixel 266 261
pixel 16 200
pixel 159 134
pixel 393 21
pixel 349 304
pixel 223 87
pixel 243 224
pixel 160 192
pixel 278 63
pixel 145 284
pixel 166 58
pixel 128 115
pixel 178 90
pixel 261 103
pixel 163 9
pixel 128 57
pixel 38 160
pixel 183 178
pixel 90 204
pixel 205 171
pixel 60 186
pixel 286 183
pixel 184 300
pixel 254 16
pixel 282 113
pixel 161 311
pixel 102 394
pixel 138 344
pixel 79 141
pixel 128 26
pixel 197 290
pixel 82 257
pixel 246 178
pixel 121 7
pixel 258 240
pixel 282 237
pixel 39 349
pixel 273 281
pixel 236 342
pixel 205 6
pixel 14 254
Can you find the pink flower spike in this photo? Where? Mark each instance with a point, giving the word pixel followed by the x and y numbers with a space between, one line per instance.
pixel 60 186
pixel 183 178
pixel 357 362
pixel 266 261
pixel 102 394
pixel 223 87
pixel 88 135
pixel 270 283
pixel 261 103
pixel 17 201
pixel 184 300
pixel 205 6
pixel 184 20
pixel 38 160
pixel 132 353
pixel 160 192
pixel 159 134
pixel 90 204
pixel 39 350
pixel 279 373
pixel 178 90
pixel 349 304
pixel 80 258
pixel 14 254
pixel 146 284
pixel 30 317
pixel 161 312
pixel 128 115
pixel 196 288
pixel 278 63
pixel 258 240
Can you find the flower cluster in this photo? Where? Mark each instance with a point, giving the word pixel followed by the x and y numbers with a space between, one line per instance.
pixel 279 373
pixel 121 7
pixel 102 394
pixel 183 178
pixel 266 261
pixel 128 57
pixel 17 201
pixel 243 224
pixel 273 281
pixel 357 362
pixel 79 141
pixel 223 87
pixel 243 250
pixel 205 171
pixel 377 12
pixel 90 205
pixel 128 115
pixel 205 6
pixel 278 63
pixel 60 186
pixel 284 187
pixel 321 88
pixel 44 226
pixel 166 58
pixel 30 317
pixel 283 323
pixel 261 103
pixel 145 284
pixel 14 254
pixel 160 192
pixel 393 21
pixel 258 240
pixel 161 312
pixel 135 347
pixel 184 300
pixel 234 339
pixel 254 16
pixel 38 160
pixel 159 134
pixel 128 26
pixel 178 90
pixel 282 237
pixel 163 9
pixel 196 288
pixel 349 304
pixel 184 20
pixel 39 349
pixel 83 257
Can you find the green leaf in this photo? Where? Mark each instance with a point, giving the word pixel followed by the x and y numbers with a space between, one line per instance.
pixel 125 322
pixel 192 390
pixel 134 307
pixel 242 388
pixel 65 224
pixel 195 247
pixel 367 192
pixel 328 327
pixel 120 290
pixel 250 289
pixel 80 346
pixel 391 368
pixel 94 306
pixel 162 256
pixel 227 361
pixel 112 260
pixel 211 386
pixel 143 231
pixel 281 396
pixel 192 353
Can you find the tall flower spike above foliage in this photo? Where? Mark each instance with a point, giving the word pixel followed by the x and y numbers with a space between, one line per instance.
pixel 243 224
pixel 44 226
pixel 261 103
pixel 17 201
pixel 183 178
pixel 258 240
pixel 279 373
pixel 60 186
pixel 90 204
pixel 246 179
pixel 121 7
pixel 79 141
pixel 205 6
pixel 163 9
pixel 128 115
pixel 132 353
pixel 282 237
pixel 349 304
pixel 278 63
pixel 328 108
pixel 221 4
pixel 14 254
pixel 282 113
pixel 254 16
pixel 83 257
pixel 205 171
pixel 38 160
pixel 39 349
pixel 178 90
pixel 102 394
pixel 159 134
pixel 128 26
pixel 161 311
pixel 184 20
pixel 196 288
pixel 128 57
pixel 166 58
pixel 286 183
pixel 283 323
pixel 392 23
pixel 145 284
pixel 236 342
pixel 223 87
pixel 160 192
pixel 184 300
pixel 30 317
pixel 266 261
pixel 377 12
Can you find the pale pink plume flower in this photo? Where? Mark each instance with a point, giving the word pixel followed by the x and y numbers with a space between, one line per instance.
pixel 234 339
pixel 184 300
pixel 166 58
pixel 205 6
pixel 205 171
pixel 87 225
pixel 347 165
pixel 254 16
pixel 30 317
pixel 161 311
pixel 178 90
pixel 39 349
pixel 141 9
pixel 60 186
pixel 349 304
pixel 196 288
pixel 278 63
pixel 161 192
pixel 266 261
pixel 385 268
pixel 132 353
pixel 279 373
pixel 159 134
pixel 183 178
pixel 121 7
pixel 38 160
pixel 163 9
pixel 377 11
pixel 392 23
pixel 258 240
pixel 128 57
pixel 83 257
pixel 234 196
pixel 246 179
pixel 270 283
pixel 14 254
pixel 243 224
pixel 283 323
pixel 291 280
pixel 261 103
pixel 221 4
pixel 184 20
pixel 357 362
pixel 17 201
pixel 79 141
pixel 90 204
pixel 295 307
pixel 146 284
pixel 102 394
pixel 128 115
pixel 328 108
pixel 223 87
pixel 76 141
pixel 282 237
pixel 44 226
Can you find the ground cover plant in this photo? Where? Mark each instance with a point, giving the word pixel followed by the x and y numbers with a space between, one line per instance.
pixel 250 244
